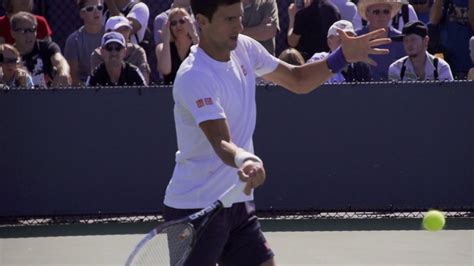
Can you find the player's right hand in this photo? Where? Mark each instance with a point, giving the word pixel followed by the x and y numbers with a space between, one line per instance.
pixel 252 173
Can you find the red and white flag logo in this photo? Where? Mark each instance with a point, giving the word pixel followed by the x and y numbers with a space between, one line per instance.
pixel 200 103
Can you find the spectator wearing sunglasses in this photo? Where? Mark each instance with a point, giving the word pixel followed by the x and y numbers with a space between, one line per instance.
pixel 114 71
pixel 43 59
pixel 379 14
pixel 178 36
pixel 12 7
pixel 13 74
pixel 135 54
pixel 162 18
pixel 81 43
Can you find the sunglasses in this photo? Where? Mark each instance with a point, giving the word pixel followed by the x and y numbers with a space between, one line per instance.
pixel 175 22
pixel 381 11
pixel 24 31
pixel 7 60
pixel 110 48
pixel 91 8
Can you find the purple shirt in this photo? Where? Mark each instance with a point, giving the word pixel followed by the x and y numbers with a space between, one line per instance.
pixel 397 51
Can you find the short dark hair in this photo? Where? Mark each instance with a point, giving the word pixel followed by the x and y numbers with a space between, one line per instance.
pixel 207 8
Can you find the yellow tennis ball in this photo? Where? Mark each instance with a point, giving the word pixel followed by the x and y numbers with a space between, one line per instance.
pixel 434 220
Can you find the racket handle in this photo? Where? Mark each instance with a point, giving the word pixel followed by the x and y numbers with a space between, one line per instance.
pixel 227 198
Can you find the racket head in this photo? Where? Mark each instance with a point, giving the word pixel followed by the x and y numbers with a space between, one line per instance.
pixel 168 244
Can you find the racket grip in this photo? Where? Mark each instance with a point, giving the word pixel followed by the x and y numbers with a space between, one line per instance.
pixel 228 197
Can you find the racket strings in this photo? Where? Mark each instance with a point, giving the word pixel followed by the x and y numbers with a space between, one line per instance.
pixel 170 246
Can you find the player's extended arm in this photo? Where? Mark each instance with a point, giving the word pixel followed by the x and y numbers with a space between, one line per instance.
pixel 305 78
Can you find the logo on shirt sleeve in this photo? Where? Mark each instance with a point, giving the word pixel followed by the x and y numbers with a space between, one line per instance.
pixel 202 102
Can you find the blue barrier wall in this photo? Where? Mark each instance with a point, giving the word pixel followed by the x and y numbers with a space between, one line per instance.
pixel 345 147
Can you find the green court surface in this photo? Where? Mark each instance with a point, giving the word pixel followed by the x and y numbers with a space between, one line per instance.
pixel 295 242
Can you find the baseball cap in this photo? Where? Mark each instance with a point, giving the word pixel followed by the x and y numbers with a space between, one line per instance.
pixel 414 27
pixel 113 36
pixel 343 25
pixel 115 22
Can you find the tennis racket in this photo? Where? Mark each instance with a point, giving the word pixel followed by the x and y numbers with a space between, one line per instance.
pixel 171 242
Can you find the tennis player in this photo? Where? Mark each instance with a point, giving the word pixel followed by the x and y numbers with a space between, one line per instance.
pixel 215 114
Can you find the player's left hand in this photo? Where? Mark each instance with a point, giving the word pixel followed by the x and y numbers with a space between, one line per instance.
pixel 358 48
pixel 253 173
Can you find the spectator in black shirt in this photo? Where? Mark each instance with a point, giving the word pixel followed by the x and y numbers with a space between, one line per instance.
pixel 114 71
pixel 308 27
pixel 43 59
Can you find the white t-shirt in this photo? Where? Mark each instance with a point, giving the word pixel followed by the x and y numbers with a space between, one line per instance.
pixel 206 89
pixel 141 13
pixel 443 69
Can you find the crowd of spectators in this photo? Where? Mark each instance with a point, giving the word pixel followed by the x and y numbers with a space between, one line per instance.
pixel 431 40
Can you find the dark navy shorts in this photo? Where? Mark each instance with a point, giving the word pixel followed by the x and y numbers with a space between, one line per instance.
pixel 232 238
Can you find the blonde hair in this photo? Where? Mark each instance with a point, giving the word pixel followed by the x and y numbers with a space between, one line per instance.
pixel 292 56
pixel 173 12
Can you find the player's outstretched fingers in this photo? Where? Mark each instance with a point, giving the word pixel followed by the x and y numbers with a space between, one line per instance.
pixel 378 42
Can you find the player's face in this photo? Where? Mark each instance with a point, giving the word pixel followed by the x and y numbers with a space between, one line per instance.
pixel 379 15
pixel 414 45
pixel 24 34
pixel 92 12
pixel 225 27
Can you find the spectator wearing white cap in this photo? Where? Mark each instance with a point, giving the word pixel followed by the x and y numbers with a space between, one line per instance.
pixel 352 72
pixel 135 11
pixel 114 71
pixel 135 55
pixel 418 64
pixel 470 75
pixel 81 43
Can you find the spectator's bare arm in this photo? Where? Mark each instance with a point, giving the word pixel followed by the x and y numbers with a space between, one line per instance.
pixel 63 76
pixel 163 52
pixel 136 25
pixel 265 31
pixel 436 12
pixel 112 7
pixel 293 39
pixel 74 69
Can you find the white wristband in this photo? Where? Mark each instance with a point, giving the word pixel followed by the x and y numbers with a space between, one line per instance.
pixel 242 155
